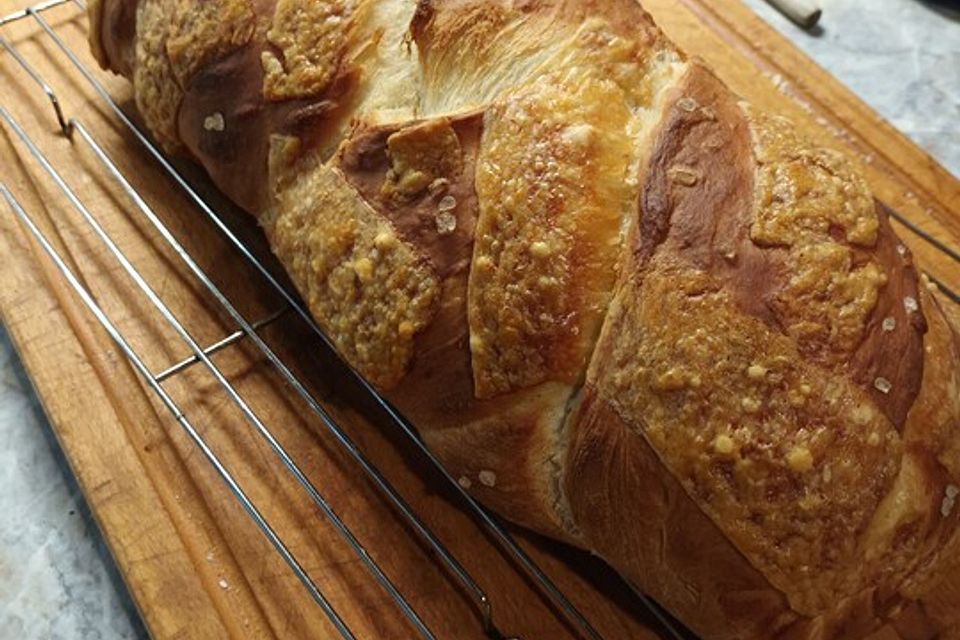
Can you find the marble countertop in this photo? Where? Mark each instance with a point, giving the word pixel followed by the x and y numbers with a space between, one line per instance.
pixel 58 581
pixel 901 57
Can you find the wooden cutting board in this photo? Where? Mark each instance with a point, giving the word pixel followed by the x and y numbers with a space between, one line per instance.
pixel 194 563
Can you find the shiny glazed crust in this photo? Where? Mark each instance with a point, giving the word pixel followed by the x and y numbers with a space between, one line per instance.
pixel 627 309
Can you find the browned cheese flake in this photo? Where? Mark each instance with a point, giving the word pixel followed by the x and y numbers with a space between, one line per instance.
pixel 552 189
pixel 369 290
pixel 813 202
pixel 789 458
pixel 311 39
pixel 175 39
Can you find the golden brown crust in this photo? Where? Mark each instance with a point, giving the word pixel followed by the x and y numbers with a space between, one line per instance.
pixel 615 483
pixel 156 91
pixel 422 155
pixel 814 206
pixel 788 461
pixel 897 326
pixel 500 448
pixel 837 281
pixel 840 261
pixel 174 39
pixel 308 40
pixel 113 26
pixel 551 181
pixel 370 291
pixel 205 32
pixel 437 209
pixel 626 309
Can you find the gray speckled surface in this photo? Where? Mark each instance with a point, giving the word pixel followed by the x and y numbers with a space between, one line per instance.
pixel 57 581
pixel 902 57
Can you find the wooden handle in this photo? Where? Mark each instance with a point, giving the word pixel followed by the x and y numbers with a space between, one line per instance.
pixel 804 12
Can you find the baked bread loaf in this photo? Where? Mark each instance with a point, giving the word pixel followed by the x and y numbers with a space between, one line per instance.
pixel 629 310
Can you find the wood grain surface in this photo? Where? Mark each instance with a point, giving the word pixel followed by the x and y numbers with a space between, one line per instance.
pixel 195 565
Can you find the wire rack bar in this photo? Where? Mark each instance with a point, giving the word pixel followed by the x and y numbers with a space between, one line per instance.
pixel 916 230
pixel 22 13
pixel 503 538
pixel 178 415
pixel 250 331
pixel 944 289
pixel 36 78
pixel 936 243
pixel 479 597
pixel 254 420
pixel 500 535
pixel 216 347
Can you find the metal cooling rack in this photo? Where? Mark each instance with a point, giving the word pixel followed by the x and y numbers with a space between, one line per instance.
pixel 73 129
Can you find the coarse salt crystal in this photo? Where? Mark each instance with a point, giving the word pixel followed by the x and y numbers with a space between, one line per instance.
pixel 446 223
pixel 882 385
pixel 684 175
pixel 447 203
pixel 949 500
pixel 438 186
pixel 889 324
pixel 464 482
pixel 487 478
pixel 910 304
pixel 214 122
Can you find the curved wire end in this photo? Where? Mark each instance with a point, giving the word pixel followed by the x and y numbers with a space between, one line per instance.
pixel 66 127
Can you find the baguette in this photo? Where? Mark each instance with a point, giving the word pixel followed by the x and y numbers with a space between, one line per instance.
pixel 625 308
